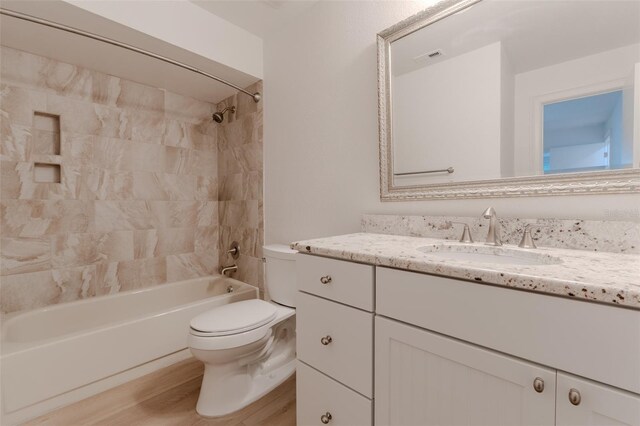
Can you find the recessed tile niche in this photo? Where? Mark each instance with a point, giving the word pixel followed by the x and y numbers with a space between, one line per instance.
pixel 46 141
pixel 46 173
pixel 46 133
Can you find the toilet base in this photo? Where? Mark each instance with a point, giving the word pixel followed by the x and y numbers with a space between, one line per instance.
pixel 211 404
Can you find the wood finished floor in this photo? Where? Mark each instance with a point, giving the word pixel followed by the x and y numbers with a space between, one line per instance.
pixel 168 397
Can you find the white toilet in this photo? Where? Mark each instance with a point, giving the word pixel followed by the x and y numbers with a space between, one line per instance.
pixel 248 347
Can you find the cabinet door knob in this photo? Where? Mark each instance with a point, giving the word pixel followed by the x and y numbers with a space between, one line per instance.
pixel 538 384
pixel 326 340
pixel 326 417
pixel 326 279
pixel 574 397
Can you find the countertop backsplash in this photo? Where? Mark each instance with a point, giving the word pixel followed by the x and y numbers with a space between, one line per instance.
pixel 592 235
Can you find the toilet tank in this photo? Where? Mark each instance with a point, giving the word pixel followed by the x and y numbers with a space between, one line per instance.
pixel 280 273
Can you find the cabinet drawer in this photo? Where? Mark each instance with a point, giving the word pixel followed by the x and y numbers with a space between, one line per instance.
pixel 345 282
pixel 319 395
pixel 337 340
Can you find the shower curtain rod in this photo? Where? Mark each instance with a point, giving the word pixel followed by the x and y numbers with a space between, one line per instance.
pixel 256 96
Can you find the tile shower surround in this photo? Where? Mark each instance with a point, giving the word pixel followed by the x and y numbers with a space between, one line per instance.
pixel 240 186
pixel 138 200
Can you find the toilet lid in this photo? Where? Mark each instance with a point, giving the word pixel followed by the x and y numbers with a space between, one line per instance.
pixel 234 318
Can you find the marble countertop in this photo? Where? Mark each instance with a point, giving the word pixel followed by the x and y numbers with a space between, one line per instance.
pixel 612 278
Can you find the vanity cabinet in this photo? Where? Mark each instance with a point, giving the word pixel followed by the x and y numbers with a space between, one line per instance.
pixel 334 317
pixel 423 378
pixel 476 354
pixel 406 348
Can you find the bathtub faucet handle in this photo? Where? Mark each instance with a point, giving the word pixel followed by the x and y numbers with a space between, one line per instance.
pixel 234 250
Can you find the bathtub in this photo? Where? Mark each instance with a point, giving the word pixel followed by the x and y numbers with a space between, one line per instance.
pixel 58 350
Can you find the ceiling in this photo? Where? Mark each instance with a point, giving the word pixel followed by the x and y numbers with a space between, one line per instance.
pixel 534 33
pixel 259 17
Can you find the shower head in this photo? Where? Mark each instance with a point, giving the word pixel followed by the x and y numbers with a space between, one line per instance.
pixel 218 117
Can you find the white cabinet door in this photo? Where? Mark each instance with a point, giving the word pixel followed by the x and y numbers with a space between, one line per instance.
pixel 423 378
pixel 594 404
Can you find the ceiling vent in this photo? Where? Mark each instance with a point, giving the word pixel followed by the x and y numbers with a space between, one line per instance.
pixel 434 54
pixel 276 4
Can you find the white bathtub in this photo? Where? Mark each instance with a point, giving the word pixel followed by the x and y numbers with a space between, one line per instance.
pixel 53 351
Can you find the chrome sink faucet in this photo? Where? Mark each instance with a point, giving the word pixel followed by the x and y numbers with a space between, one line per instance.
pixel 493 236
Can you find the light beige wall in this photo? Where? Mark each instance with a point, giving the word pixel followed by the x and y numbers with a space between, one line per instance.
pixel 137 204
pixel 240 185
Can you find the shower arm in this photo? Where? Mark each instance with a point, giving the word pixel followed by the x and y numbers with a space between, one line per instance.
pixel 256 96
pixel 231 109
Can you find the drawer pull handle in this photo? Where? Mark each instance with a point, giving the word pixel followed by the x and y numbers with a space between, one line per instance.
pixel 326 418
pixel 574 397
pixel 326 340
pixel 538 384
pixel 326 279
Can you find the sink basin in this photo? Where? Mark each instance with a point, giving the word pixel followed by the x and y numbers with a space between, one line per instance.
pixel 489 255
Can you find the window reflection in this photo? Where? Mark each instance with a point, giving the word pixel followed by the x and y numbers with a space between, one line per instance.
pixel 588 133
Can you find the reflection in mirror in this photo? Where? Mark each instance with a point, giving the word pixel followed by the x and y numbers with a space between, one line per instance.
pixel 517 88
pixel 588 133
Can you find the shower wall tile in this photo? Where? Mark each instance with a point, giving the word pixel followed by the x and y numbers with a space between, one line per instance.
pixel 136 96
pixel 15 140
pixel 163 186
pixel 208 212
pixel 188 110
pixel 240 193
pixel 206 239
pixel 70 250
pixel 127 215
pixel 207 188
pixel 134 274
pixel 101 184
pixel 37 218
pixel 22 255
pixel 137 204
pixel 45 74
pixel 178 214
pixel 39 289
pixel 191 265
pixel 163 242
pixel 19 103
pixel 189 135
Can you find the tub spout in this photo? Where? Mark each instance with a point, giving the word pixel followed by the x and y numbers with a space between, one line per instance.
pixel 229 269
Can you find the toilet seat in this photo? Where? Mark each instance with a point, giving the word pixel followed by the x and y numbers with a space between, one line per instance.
pixel 234 318
pixel 206 341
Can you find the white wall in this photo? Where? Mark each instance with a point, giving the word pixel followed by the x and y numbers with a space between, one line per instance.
pixel 186 25
pixel 507 94
pixel 436 118
pixel 321 132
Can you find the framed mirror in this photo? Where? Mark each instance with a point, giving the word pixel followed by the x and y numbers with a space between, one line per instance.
pixel 500 98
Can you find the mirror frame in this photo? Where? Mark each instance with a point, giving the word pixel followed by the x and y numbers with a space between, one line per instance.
pixel 605 182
